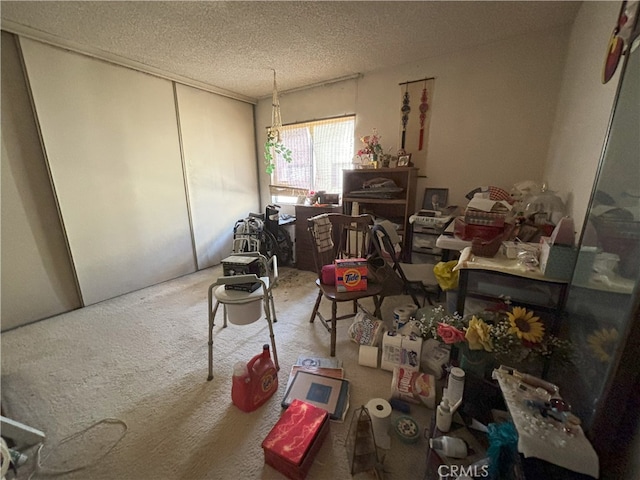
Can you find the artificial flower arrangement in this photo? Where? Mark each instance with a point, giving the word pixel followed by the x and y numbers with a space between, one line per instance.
pixel 602 343
pixel 508 335
pixel 371 144
pixel 312 197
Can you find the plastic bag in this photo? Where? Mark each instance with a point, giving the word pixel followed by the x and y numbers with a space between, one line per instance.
pixel 366 330
pixel 445 275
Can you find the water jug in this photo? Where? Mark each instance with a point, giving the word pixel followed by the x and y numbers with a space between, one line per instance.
pixel 255 382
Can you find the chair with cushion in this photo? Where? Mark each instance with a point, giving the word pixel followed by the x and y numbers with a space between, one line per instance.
pixel 242 307
pixel 417 278
pixel 337 236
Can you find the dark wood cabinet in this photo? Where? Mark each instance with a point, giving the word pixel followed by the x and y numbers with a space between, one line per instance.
pixel 304 255
pixel 396 208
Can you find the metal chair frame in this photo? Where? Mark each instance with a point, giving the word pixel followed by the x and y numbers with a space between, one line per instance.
pixel 415 278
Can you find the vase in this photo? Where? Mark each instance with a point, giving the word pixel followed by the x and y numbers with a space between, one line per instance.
pixel 478 363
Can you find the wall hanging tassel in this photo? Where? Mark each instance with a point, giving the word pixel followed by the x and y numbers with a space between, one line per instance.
pixel 405 114
pixel 424 106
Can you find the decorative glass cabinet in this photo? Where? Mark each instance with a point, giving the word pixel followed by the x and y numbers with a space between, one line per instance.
pixel 602 308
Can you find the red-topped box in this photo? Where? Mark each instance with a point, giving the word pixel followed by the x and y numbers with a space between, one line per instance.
pixel 293 442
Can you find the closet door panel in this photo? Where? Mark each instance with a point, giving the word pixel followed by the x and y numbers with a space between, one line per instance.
pixel 218 140
pixel 111 140
pixel 37 276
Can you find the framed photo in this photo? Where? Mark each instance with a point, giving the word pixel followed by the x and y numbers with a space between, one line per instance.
pixel 404 160
pixel 435 198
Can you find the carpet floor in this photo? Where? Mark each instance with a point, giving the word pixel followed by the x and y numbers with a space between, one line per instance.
pixel 120 388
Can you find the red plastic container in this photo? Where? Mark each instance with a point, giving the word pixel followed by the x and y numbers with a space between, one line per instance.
pixel 294 441
pixel 254 385
pixel 468 232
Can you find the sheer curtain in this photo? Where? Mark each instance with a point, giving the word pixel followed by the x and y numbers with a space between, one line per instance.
pixel 320 151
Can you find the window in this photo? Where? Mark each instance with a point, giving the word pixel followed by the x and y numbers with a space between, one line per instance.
pixel 320 151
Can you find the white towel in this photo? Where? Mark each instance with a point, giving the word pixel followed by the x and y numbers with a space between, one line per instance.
pixel 322 233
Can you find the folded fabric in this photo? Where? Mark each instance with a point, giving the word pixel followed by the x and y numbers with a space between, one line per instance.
pixel 322 233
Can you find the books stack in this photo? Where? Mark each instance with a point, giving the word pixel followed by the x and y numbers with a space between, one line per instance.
pixel 320 382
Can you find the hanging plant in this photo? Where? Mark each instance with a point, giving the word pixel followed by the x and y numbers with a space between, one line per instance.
pixel 274 146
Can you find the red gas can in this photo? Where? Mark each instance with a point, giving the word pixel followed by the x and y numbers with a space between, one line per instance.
pixel 254 382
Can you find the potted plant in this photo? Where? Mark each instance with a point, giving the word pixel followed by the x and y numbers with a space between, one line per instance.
pixel 273 147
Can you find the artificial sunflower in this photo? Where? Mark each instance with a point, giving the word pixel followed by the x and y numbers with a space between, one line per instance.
pixel 602 343
pixel 525 325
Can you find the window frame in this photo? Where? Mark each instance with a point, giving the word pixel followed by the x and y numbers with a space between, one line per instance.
pixel 286 193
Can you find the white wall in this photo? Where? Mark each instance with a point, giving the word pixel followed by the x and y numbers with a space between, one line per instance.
pixel 533 108
pixel 492 111
pixel 584 108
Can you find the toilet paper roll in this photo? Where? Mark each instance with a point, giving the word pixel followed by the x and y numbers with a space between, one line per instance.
pixel 408 309
pixel 380 412
pixel 368 356
pixel 402 315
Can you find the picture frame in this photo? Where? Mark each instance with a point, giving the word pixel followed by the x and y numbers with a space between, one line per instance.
pixel 435 198
pixel 404 160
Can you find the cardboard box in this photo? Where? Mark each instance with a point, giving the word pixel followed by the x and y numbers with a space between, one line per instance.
pixel 435 356
pixel 351 274
pixel 294 441
pixel 241 265
pixel 557 261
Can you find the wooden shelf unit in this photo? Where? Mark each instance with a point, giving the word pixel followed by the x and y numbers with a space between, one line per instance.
pixel 397 210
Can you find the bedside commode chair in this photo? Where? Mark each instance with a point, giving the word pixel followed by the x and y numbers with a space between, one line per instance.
pixel 243 307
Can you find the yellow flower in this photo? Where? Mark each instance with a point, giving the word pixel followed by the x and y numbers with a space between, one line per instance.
pixel 525 325
pixel 477 335
pixel 602 343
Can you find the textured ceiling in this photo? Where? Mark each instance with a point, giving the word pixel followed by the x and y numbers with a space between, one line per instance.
pixel 232 46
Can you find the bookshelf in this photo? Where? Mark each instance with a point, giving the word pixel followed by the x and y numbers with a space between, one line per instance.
pixel 396 209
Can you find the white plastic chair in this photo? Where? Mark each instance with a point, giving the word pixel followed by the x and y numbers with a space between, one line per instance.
pixel 237 304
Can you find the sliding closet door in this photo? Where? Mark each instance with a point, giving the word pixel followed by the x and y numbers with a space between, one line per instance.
pixel 111 142
pixel 37 277
pixel 218 141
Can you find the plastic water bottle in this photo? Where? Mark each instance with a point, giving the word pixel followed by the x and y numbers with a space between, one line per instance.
pixel 455 386
pixel 444 416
